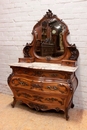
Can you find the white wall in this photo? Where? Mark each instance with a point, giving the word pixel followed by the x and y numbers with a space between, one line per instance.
pixel 17 18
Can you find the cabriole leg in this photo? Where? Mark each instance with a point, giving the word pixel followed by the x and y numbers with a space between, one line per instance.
pixel 14 102
pixel 66 114
pixel 72 105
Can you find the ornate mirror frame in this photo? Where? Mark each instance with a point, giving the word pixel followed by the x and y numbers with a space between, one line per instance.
pixel 70 54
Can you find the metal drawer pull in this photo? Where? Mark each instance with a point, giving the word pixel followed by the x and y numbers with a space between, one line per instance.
pixel 52 87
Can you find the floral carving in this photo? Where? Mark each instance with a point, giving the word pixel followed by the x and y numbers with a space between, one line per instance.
pixel 60 87
pixel 51 100
pixel 18 81
pixel 54 75
pixel 26 50
pixel 24 95
pixel 37 73
pixel 52 87
pixel 49 14
pixel 74 52
pixel 38 98
pixel 37 106
pixel 37 85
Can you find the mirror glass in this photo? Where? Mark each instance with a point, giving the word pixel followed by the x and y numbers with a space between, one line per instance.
pixel 49 38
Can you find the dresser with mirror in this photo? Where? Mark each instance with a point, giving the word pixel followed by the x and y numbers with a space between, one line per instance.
pixel 44 79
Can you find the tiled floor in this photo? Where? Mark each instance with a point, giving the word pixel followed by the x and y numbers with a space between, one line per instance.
pixel 23 118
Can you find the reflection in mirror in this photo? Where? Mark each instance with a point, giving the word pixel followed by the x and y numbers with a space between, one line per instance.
pixel 50 40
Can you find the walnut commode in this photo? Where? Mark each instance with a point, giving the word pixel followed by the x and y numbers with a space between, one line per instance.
pixel 45 78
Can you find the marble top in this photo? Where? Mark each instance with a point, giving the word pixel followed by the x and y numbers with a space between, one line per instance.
pixel 45 66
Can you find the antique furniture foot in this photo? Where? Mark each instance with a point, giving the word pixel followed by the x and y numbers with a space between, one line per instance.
pixel 66 114
pixel 14 102
pixel 72 105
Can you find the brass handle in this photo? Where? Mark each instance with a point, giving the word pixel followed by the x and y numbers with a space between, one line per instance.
pixel 52 87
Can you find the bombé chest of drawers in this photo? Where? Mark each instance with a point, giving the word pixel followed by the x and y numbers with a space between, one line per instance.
pixel 45 78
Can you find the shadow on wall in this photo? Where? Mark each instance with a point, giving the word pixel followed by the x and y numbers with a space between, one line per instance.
pixel 78 96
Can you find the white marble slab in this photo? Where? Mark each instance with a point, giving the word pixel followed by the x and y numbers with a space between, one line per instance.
pixel 45 66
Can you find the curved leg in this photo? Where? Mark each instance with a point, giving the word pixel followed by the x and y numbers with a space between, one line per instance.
pixel 72 105
pixel 14 102
pixel 66 114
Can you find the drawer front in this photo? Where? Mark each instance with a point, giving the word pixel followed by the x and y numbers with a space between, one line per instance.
pixel 50 87
pixel 43 98
pixel 47 86
pixel 56 87
pixel 26 83
pixel 28 72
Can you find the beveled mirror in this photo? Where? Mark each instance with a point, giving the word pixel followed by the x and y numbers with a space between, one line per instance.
pixel 49 37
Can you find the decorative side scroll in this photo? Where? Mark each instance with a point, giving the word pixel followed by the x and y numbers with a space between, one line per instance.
pixel 74 52
pixel 26 50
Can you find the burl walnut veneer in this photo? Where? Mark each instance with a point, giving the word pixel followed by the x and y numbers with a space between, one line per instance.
pixel 45 78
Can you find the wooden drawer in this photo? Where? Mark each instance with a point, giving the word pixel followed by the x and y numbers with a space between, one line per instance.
pixel 33 73
pixel 48 86
pixel 43 98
